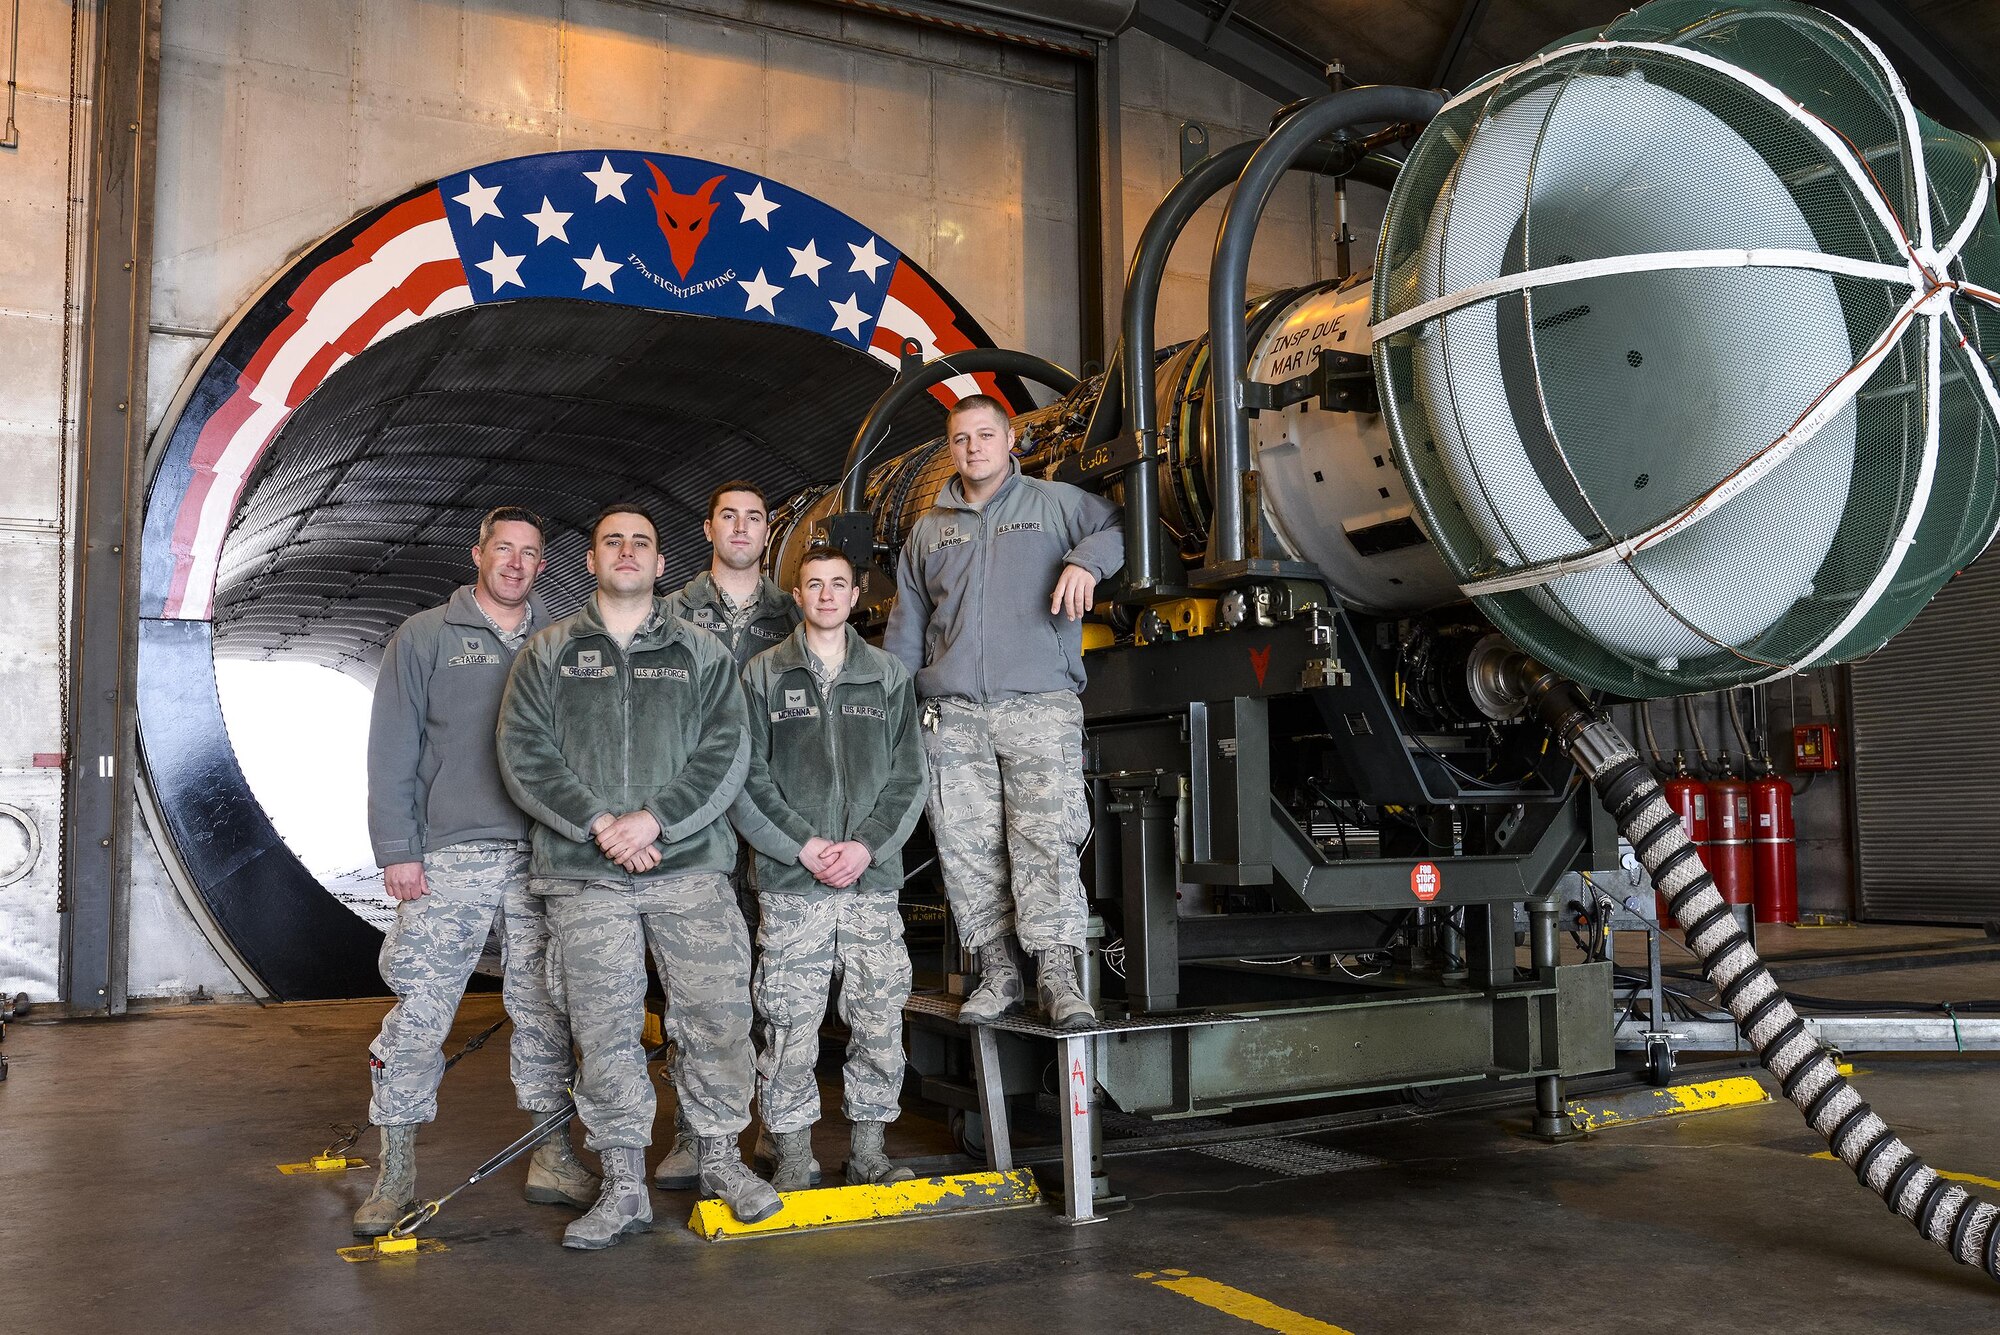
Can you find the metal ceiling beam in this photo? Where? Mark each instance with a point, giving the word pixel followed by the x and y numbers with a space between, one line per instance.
pixel 1455 47
pixel 1241 50
pixel 1969 103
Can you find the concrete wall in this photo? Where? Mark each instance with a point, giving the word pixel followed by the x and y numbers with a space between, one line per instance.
pixel 279 121
pixel 35 187
pixel 1159 88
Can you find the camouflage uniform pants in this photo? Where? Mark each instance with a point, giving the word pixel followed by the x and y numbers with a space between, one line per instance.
pixel 805 940
pixel 1009 813
pixel 743 886
pixel 601 930
pixel 427 956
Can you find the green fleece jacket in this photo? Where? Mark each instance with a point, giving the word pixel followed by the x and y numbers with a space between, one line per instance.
pixel 588 728
pixel 845 764
pixel 700 601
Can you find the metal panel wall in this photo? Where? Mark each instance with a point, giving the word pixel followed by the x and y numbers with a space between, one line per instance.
pixel 1926 760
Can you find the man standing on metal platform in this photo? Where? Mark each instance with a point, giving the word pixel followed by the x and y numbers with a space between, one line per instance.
pixel 735 601
pixel 454 855
pixel 835 786
pixel 622 734
pixel 990 591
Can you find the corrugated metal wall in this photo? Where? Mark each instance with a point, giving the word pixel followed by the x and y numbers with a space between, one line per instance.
pixel 1926 760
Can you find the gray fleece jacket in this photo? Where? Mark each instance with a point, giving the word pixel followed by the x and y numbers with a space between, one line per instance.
pixel 433 778
pixel 973 584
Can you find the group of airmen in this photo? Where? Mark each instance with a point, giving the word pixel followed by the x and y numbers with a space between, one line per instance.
pixel 655 771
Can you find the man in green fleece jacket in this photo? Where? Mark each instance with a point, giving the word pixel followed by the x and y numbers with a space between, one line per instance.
pixel 622 735
pixel 836 783
pixel 453 849
pixel 744 608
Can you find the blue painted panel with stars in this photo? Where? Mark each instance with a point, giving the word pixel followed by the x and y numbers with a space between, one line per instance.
pixel 668 233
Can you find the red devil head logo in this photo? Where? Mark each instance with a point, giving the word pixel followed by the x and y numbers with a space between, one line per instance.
pixel 683 218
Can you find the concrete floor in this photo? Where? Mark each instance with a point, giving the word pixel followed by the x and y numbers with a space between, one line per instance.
pixel 140 1194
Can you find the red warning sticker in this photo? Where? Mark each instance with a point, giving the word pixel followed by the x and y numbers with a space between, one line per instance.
pixel 1426 881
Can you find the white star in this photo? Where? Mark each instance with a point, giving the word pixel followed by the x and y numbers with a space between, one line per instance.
pixel 609 181
pixel 597 270
pixel 806 262
pixel 549 223
pixel 865 259
pixel 756 208
pixel 479 198
pixel 761 293
pixel 848 315
pixel 503 268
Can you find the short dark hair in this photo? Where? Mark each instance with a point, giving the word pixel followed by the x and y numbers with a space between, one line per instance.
pixel 825 551
pixel 624 508
pixel 509 514
pixel 972 403
pixel 715 497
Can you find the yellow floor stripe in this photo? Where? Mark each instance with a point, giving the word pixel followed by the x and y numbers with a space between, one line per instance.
pixel 1737 1091
pixel 831 1207
pixel 1243 1306
pixel 1974 1178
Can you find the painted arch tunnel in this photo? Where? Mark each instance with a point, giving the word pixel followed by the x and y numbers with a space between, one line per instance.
pixel 557 331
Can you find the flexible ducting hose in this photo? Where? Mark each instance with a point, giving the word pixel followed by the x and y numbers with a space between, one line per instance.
pixel 1943 1212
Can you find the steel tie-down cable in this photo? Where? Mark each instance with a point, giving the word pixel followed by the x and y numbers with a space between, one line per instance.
pixel 1943 1212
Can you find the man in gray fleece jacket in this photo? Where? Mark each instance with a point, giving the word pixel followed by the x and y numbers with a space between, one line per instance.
pixel 836 783
pixel 991 588
pixel 454 854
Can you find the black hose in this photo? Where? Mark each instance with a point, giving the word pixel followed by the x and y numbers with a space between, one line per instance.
pixel 1229 281
pixel 1700 744
pixel 1136 370
pixel 1736 722
pixel 874 427
pixel 1943 1212
pixel 1646 725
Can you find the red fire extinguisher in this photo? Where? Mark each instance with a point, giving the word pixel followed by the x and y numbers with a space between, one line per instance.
pixel 1688 796
pixel 1775 847
pixel 1730 858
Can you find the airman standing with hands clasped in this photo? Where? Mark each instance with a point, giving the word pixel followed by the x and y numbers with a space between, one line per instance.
pixel 835 785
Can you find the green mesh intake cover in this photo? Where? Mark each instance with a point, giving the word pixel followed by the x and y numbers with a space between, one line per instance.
pixel 1685 332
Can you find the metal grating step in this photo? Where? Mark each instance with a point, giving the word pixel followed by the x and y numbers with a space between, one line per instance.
pixel 1293 1158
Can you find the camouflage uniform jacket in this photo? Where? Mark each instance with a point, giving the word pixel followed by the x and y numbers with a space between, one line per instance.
pixel 973 585
pixel 771 617
pixel 433 780
pixel 588 728
pixel 844 763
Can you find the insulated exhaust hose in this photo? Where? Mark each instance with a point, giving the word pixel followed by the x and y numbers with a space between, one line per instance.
pixel 1942 1211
